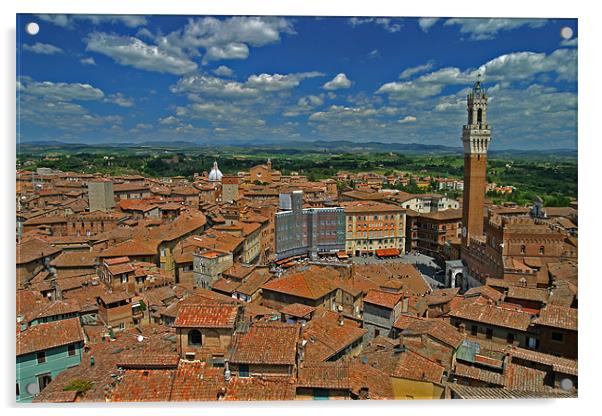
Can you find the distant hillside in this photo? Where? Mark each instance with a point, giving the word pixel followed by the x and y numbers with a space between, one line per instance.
pixel 318 146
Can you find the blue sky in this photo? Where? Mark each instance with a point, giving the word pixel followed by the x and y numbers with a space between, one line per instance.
pixel 248 79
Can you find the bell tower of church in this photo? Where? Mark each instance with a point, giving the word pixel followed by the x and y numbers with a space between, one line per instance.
pixel 476 135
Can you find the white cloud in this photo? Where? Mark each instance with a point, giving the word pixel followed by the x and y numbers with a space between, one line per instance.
pixel 228 38
pixel 373 54
pixel 278 82
pixel 569 42
pixel 338 82
pixel 223 71
pixel 512 67
pixel 88 61
pixel 42 48
pixel 51 104
pixel 67 21
pixel 169 120
pixel 408 72
pixel 212 86
pixel 233 50
pixel 336 113
pixel 253 87
pixel 121 100
pixel 133 52
pixel 391 25
pixel 407 119
pixel 409 90
pixel 311 101
pixel 61 91
pixel 426 23
pixel 482 29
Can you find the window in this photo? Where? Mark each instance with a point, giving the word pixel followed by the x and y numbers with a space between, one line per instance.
pixel 194 337
pixel 44 380
pixel 41 357
pixel 18 389
pixel 218 361
pixel 510 338
pixel 243 370
pixel 376 332
pixel 532 343
pixel 489 333
pixel 557 336
pixel 474 329
pixel 522 249
pixel 321 394
pixel 121 325
pixel 71 350
pixel 542 250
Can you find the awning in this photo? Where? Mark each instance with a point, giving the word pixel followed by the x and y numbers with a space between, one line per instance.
pixel 388 252
pixel 342 255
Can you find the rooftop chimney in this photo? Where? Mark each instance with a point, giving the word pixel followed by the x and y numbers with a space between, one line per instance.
pixel 227 372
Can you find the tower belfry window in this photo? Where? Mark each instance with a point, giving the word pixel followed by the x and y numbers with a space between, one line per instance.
pixel 479 116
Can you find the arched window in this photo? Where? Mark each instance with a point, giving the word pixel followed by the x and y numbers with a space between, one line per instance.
pixel 522 249
pixel 194 337
pixel 479 116
pixel 542 250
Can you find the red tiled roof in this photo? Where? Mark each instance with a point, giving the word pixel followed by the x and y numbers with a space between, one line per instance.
pixel 324 375
pixel 309 284
pixel 527 293
pixel 265 389
pixel 297 310
pixel 144 386
pixel 197 381
pixel 139 361
pixel 558 317
pixel 267 343
pixel 49 335
pixel 380 298
pixel 437 329
pixel 525 378
pixel 474 373
pixel 414 366
pixel 34 249
pixel 206 316
pixel 558 364
pixel 493 315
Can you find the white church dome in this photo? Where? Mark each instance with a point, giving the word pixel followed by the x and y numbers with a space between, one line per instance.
pixel 215 175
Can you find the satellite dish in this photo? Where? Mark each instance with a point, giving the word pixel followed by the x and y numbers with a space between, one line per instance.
pixel 566 384
pixel 33 388
pixel 140 338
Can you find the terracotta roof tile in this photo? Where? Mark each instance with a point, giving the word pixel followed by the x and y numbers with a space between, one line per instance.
pixel 49 335
pixel 493 315
pixel 148 361
pixel 527 293
pixel 324 375
pixel 413 366
pixel 312 283
pixel 480 374
pixel 144 386
pixel 437 329
pixel 206 316
pixel 380 298
pixel 326 336
pixel 267 343
pixel 297 310
pixel 558 317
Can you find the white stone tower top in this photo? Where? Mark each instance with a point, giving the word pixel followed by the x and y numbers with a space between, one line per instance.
pixel 476 135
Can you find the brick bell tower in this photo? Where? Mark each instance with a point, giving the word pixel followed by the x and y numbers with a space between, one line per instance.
pixel 476 135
